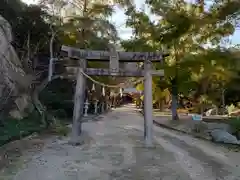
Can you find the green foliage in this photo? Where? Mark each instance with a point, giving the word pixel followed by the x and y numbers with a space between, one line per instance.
pixel 61 114
pixel 230 108
pixel 90 28
pixel 235 123
pixel 13 129
pixel 181 28
pixel 57 97
pixel 24 19
pixel 185 30
pixel 60 129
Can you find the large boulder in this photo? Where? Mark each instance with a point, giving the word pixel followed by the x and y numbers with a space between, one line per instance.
pixel 222 136
pixel 13 79
pixel 12 73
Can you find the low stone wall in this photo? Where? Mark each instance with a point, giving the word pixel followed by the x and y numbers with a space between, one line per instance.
pixel 216 119
pixel 215 131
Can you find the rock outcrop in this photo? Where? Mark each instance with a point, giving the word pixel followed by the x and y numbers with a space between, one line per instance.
pixel 14 82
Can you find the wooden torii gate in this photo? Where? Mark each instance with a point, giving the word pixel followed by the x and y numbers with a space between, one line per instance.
pixel 114 59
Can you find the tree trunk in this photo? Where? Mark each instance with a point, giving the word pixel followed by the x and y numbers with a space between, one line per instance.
pixel 37 103
pixel 175 87
pixel 50 66
pixel 174 107
pixel 174 104
pixel 161 105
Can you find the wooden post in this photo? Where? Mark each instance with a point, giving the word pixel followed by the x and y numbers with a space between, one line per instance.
pixel 148 120
pixel 96 106
pixel 78 104
pixel 113 60
pixel 102 106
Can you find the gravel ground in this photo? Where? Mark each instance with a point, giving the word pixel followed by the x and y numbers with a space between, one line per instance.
pixel 114 149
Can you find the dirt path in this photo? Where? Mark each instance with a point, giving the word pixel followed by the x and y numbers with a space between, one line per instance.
pixel 114 149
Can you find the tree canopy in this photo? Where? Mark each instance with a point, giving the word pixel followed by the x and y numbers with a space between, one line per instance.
pixel 200 63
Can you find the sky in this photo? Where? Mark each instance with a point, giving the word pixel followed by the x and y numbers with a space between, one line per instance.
pixel 125 33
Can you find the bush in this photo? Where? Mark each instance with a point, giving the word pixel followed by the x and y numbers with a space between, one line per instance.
pixel 60 114
pixel 235 123
pixel 230 108
pixel 13 129
pixel 58 96
pixel 60 129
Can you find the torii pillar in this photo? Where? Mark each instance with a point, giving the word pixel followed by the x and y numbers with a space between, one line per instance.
pixel 148 107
